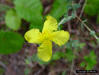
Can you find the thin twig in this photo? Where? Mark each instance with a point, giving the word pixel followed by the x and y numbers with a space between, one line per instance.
pixel 75 73
pixel 65 19
pixel 84 24
pixel 96 37
pixel 83 8
pixel 69 27
pixel 72 65
pixel 3 65
pixel 61 22
pixel 80 1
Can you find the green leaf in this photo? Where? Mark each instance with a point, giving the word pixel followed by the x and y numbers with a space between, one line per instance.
pixel 12 20
pixel 69 55
pixel 92 6
pixel 89 67
pixel 93 56
pixel 87 58
pixel 30 10
pixel 58 8
pixel 36 26
pixel 90 60
pixel 10 42
pixel 82 64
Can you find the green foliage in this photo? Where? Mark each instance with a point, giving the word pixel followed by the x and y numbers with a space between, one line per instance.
pixel 36 26
pixel 10 42
pixel 34 58
pixel 60 27
pixel 70 55
pixel 92 8
pixel 69 7
pixel 98 40
pixel 76 44
pixel 58 55
pixel 27 71
pixel 75 6
pixel 58 8
pixel 82 64
pixel 1 71
pixel 30 10
pixel 92 33
pixel 64 73
pixel 71 47
pixel 66 19
pixel 90 61
pixel 12 20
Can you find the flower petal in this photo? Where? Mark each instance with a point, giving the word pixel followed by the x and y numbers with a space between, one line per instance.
pixel 61 37
pixel 32 36
pixel 45 51
pixel 50 24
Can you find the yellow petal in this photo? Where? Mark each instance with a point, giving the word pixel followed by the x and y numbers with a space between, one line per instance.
pixel 45 51
pixel 61 37
pixel 32 36
pixel 50 24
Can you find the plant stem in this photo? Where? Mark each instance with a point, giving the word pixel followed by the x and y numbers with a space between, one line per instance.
pixel 83 8
pixel 65 19
pixel 3 65
pixel 96 37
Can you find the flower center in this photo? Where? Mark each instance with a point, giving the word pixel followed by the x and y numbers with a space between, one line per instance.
pixel 46 36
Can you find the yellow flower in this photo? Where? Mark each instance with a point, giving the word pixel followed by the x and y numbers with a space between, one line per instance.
pixel 49 34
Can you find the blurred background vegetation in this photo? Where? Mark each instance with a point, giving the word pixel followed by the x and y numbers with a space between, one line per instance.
pixel 79 17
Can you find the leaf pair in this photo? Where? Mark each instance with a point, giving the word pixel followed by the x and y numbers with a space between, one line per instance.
pixel 31 11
